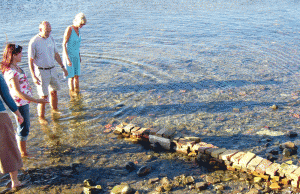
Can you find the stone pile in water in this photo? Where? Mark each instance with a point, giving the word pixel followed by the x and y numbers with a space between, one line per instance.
pixel 235 160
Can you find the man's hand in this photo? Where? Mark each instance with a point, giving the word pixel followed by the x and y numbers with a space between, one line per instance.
pixel 36 80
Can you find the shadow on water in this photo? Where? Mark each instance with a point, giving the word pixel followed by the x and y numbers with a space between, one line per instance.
pixel 205 84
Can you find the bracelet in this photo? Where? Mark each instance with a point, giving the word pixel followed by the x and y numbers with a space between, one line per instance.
pixel 62 67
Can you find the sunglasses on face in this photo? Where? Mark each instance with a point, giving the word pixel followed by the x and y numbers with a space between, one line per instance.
pixel 18 49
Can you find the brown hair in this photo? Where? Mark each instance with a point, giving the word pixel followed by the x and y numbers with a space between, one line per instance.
pixel 9 51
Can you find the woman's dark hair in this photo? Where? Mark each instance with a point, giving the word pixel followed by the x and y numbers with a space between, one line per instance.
pixel 9 51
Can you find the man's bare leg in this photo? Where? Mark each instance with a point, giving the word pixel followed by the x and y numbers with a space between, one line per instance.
pixel 53 100
pixel 41 108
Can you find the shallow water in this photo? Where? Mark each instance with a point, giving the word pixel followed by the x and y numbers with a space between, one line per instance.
pixel 205 68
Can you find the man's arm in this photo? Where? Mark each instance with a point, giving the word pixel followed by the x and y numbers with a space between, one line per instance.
pixel 59 61
pixel 31 67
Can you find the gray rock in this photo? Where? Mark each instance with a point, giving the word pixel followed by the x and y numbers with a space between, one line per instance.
pixel 130 166
pixel 144 171
pixel 292 134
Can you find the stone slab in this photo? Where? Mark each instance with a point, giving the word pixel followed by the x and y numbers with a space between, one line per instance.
pixel 215 154
pixel 204 146
pixel 261 168
pixel 294 183
pixel 135 129
pixel 289 170
pixel 163 142
pixel 254 163
pixel 272 170
pixel 153 131
pixel 196 139
pixel 227 155
pixel 183 145
pixel 210 150
pixel 166 133
pixel 120 128
pixel 236 158
pixel 127 128
pixel 246 159
pixel 295 175
pixel 142 132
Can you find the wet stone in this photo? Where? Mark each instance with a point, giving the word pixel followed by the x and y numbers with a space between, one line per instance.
pixel 219 187
pixel 154 180
pixel 130 166
pixel 122 189
pixel 292 134
pixel 190 180
pixel 212 180
pixel 274 107
pixel 92 190
pixel 144 170
pixel 201 185
pixel 271 157
pixel 253 191
pixel 287 152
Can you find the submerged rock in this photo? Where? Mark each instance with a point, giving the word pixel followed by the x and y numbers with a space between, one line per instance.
pixel 130 166
pixel 144 171
pixel 274 107
pixel 292 134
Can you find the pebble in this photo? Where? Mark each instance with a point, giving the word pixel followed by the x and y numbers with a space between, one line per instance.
pixel 130 166
pixel 122 189
pixel 92 190
pixel 258 187
pixel 219 187
pixel 154 180
pixel 189 180
pixel 292 134
pixel 201 185
pixel 274 107
pixel 253 191
pixel 144 170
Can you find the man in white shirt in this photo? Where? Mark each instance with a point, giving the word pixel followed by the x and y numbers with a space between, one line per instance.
pixel 42 54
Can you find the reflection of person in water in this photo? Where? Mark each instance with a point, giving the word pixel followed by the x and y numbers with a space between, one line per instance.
pixel 71 54
pixel 20 90
pixel 10 157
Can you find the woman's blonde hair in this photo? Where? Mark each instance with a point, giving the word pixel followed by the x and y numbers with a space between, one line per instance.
pixel 79 19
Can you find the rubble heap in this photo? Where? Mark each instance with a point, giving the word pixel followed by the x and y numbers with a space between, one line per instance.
pixel 235 160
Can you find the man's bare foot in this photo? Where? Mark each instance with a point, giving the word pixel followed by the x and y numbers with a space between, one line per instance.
pixel 56 111
pixel 43 121
pixel 26 155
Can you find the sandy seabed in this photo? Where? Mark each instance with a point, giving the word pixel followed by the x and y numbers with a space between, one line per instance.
pixel 213 103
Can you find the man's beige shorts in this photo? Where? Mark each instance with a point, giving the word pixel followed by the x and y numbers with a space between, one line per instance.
pixel 49 81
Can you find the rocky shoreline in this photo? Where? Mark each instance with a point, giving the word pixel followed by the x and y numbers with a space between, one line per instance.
pixel 141 171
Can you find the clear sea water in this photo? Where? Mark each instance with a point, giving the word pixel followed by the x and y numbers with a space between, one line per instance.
pixel 206 68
